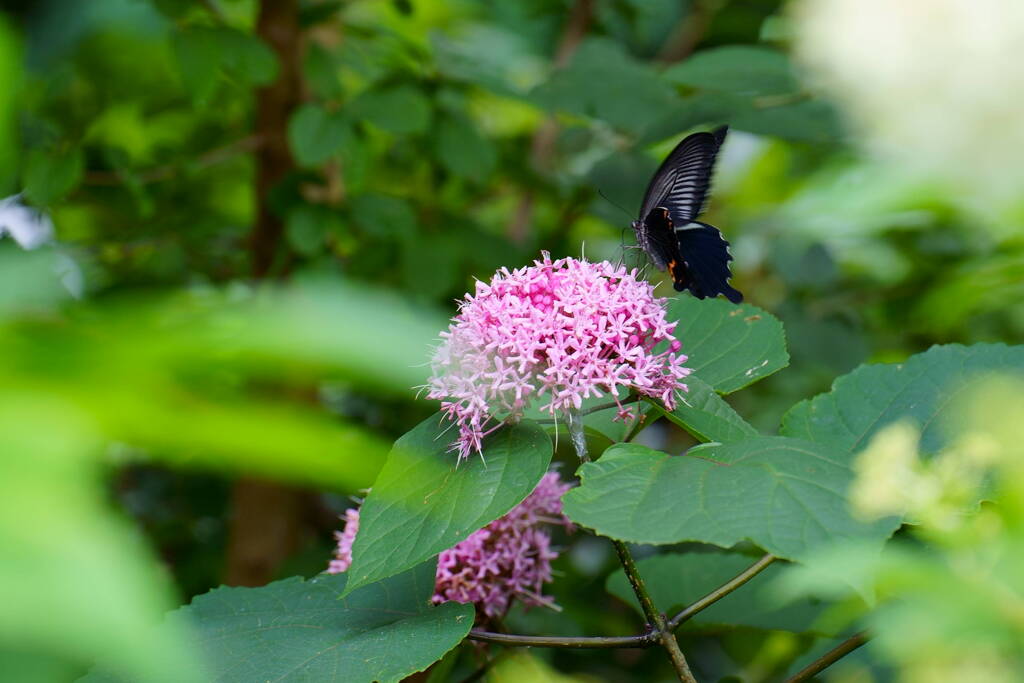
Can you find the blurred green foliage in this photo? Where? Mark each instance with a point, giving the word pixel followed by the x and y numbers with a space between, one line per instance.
pixel 432 143
pixel 954 580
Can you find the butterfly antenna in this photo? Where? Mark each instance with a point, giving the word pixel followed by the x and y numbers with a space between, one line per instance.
pixel 617 206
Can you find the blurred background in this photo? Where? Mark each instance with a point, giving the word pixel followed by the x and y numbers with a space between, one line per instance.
pixel 232 229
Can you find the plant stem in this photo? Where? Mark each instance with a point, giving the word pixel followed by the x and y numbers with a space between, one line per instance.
pixel 574 421
pixel 655 619
pixel 714 596
pixel 596 409
pixel 829 658
pixel 587 642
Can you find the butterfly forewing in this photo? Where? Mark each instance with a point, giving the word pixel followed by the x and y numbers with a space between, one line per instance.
pixel 682 181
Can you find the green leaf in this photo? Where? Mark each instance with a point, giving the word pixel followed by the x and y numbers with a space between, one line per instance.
pixel 677 580
pixel 924 389
pixel 791 117
pixel 12 74
pixel 314 134
pixel 199 52
pixel 321 71
pixel 706 415
pixel 430 268
pixel 296 630
pixel 501 61
pixel 402 110
pixel 203 53
pixel 425 501
pixel 622 177
pixel 729 346
pixel 247 58
pixel 800 119
pixel 604 82
pixel 784 495
pixel 739 69
pixel 308 226
pixel 50 176
pixel 173 9
pixel 384 216
pixel 462 150
pixel 312 14
pixel 55 514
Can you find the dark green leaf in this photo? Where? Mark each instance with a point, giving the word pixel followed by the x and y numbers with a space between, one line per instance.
pixel 677 580
pixel 462 149
pixel 321 71
pixel 173 8
pixel 105 610
pixel 729 346
pixel 311 14
pixel 199 53
pixel 296 630
pixel 356 161
pixel 502 61
pixel 791 116
pixel 247 58
pixel 785 495
pixel 622 177
pixel 707 416
pixel 402 110
pixel 739 69
pixel 384 216
pixel 308 227
pixel 315 134
pixel 50 176
pixel 796 118
pixel 425 501
pixel 924 389
pixel 604 82
pixel 430 266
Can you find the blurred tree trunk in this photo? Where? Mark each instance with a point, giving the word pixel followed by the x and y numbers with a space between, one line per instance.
pixel 266 517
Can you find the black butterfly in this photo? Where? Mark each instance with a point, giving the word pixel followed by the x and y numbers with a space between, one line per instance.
pixel 695 254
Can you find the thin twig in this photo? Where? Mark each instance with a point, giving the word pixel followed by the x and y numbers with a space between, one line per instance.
pixel 584 642
pixel 728 587
pixel 655 619
pixel 829 658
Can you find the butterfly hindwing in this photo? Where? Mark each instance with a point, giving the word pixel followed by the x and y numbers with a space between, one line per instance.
pixel 706 254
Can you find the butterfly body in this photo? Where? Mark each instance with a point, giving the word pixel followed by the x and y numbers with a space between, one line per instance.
pixel 694 253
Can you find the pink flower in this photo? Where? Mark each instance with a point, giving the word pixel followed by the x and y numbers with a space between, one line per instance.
pixel 559 331
pixel 508 559
pixel 343 554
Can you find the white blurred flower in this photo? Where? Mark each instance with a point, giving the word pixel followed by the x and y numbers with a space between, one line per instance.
pixel 28 227
pixel 32 229
pixel 936 85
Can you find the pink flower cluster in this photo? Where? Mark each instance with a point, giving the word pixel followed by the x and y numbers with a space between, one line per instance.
pixel 508 559
pixel 563 330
